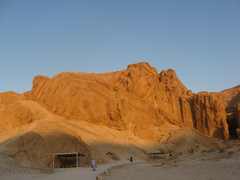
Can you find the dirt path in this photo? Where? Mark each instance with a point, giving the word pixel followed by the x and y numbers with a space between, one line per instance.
pixel 85 173
pixel 190 169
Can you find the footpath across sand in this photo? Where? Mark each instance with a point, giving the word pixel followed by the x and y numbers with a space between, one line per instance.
pixel 84 173
pixel 208 165
pixel 202 166
pixel 186 170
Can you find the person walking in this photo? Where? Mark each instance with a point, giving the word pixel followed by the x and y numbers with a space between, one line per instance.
pixel 131 159
pixel 94 164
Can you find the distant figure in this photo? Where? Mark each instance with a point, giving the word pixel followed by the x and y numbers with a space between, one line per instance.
pixel 131 159
pixel 94 164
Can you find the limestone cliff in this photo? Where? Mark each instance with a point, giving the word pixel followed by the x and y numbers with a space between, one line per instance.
pixel 137 100
pixel 137 104
pixel 237 116
pixel 231 100
pixel 209 115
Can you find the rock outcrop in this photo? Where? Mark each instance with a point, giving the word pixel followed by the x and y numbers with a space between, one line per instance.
pixel 209 115
pixel 237 116
pixel 231 99
pixel 137 101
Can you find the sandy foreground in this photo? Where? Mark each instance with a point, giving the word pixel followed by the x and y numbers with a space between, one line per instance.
pixel 228 169
pixel 205 166
pixel 84 173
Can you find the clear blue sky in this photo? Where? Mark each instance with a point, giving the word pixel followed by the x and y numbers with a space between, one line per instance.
pixel 199 39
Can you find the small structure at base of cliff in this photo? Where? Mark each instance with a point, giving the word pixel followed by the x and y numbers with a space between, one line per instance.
pixel 66 160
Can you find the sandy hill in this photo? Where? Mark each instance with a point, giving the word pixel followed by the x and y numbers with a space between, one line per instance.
pixel 129 112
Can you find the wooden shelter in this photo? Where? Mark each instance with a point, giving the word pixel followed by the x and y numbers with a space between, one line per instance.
pixel 66 160
pixel 157 155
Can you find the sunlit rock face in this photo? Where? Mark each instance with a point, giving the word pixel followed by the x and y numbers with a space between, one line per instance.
pixel 99 113
pixel 137 99
pixel 209 115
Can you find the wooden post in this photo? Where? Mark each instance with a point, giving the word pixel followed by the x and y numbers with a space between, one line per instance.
pixel 53 161
pixel 77 159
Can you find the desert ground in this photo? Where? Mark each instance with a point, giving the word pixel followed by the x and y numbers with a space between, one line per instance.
pixel 207 165
pixel 204 166
pixel 85 173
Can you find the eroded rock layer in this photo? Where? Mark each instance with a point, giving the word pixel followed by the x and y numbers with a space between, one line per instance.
pixel 138 104
pixel 137 100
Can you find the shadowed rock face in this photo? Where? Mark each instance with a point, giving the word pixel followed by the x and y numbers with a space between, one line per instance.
pixel 231 100
pixel 36 149
pixel 237 116
pixel 136 100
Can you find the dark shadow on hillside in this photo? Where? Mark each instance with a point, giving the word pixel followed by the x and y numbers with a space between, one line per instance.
pixel 232 103
pixel 36 149
pixel 231 118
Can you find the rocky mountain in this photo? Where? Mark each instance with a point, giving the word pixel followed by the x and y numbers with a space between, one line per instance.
pixel 139 104
pixel 136 100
